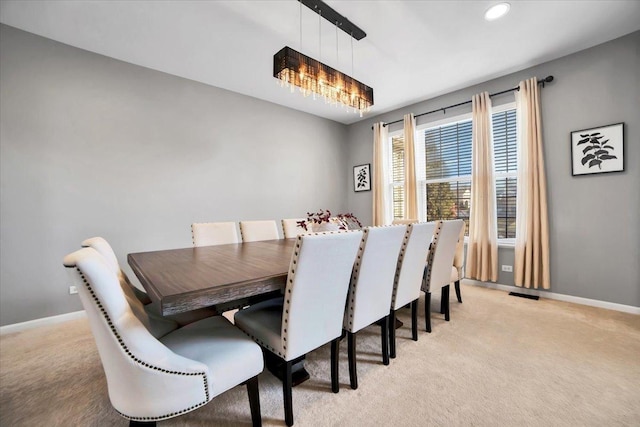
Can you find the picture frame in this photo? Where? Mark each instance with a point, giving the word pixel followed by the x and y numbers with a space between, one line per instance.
pixel 362 177
pixel 597 150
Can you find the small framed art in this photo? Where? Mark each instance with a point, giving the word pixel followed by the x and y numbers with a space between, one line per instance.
pixel 597 150
pixel 362 177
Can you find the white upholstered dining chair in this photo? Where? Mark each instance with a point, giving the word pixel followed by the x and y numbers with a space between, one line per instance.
pixel 153 378
pixel 439 266
pixel 292 229
pixel 311 312
pixel 255 231
pixel 214 233
pixel 371 288
pixel 409 274
pixel 148 312
pixel 404 221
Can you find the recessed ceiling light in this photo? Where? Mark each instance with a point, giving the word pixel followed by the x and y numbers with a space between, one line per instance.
pixel 497 11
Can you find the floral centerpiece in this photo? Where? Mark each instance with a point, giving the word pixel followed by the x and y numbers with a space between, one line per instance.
pixel 323 221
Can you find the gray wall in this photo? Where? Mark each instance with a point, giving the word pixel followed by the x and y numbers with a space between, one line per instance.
pixel 594 225
pixel 94 146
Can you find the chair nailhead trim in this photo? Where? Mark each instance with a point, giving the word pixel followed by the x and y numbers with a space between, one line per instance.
pixel 145 364
pixel 426 283
pixel 400 261
pixel 355 275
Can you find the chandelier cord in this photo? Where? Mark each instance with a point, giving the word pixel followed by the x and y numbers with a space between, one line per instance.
pixel 337 62
pixel 352 55
pixel 300 25
pixel 320 35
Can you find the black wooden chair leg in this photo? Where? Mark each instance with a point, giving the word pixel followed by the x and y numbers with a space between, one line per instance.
pixel 335 374
pixel 442 307
pixel 427 311
pixel 445 302
pixel 286 393
pixel 133 423
pixel 353 373
pixel 414 320
pixel 457 286
pixel 254 401
pixel 392 334
pixel 385 340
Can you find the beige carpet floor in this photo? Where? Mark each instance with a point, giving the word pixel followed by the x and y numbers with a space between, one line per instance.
pixel 501 361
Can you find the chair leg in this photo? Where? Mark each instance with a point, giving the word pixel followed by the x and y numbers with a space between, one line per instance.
pixel 445 301
pixel 457 286
pixel 442 307
pixel 414 320
pixel 133 423
pixel 385 340
pixel 254 401
pixel 427 311
pixel 286 393
pixel 392 334
pixel 335 373
pixel 353 373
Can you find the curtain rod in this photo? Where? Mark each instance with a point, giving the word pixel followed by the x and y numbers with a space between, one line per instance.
pixel 547 79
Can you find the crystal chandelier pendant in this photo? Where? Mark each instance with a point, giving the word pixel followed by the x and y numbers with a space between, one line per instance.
pixel 313 77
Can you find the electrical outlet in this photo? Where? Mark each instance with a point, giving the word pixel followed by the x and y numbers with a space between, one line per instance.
pixel 73 290
pixel 507 268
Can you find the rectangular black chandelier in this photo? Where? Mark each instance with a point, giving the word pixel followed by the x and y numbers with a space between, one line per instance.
pixel 313 77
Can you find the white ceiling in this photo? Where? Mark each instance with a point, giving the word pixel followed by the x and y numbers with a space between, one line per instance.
pixel 414 50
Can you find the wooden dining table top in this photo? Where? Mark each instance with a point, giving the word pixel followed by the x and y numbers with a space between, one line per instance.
pixel 192 278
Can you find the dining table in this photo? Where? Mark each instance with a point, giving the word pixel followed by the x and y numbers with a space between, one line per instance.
pixel 209 276
pixel 221 277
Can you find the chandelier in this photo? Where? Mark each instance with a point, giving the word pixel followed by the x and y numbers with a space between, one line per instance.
pixel 312 77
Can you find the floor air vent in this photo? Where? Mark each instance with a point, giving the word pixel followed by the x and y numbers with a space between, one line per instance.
pixel 516 294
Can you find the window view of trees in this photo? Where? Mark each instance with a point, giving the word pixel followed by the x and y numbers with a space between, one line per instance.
pixel 447 173
pixel 444 178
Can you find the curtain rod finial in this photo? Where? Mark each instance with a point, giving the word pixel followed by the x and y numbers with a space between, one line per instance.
pixel 547 79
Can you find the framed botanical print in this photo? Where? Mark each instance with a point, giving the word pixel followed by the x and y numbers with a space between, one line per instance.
pixel 362 177
pixel 597 150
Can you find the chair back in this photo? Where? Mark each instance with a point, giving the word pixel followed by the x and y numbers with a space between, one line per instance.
pixel 371 284
pixel 351 224
pixel 254 231
pixel 214 233
pixel 291 229
pixel 404 221
pixel 157 325
pixel 458 258
pixel 441 255
pixel 411 264
pixel 105 249
pixel 316 290
pixel 134 361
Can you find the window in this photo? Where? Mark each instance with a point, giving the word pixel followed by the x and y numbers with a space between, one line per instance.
pixel 397 175
pixel 505 168
pixel 443 156
pixel 445 180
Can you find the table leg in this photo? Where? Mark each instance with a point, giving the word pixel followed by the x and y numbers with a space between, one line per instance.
pixel 276 366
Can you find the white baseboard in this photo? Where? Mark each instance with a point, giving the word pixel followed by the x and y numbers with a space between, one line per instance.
pixel 45 321
pixel 560 297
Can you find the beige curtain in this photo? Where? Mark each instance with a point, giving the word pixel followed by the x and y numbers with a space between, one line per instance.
pixel 380 205
pixel 482 248
pixel 410 193
pixel 532 223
